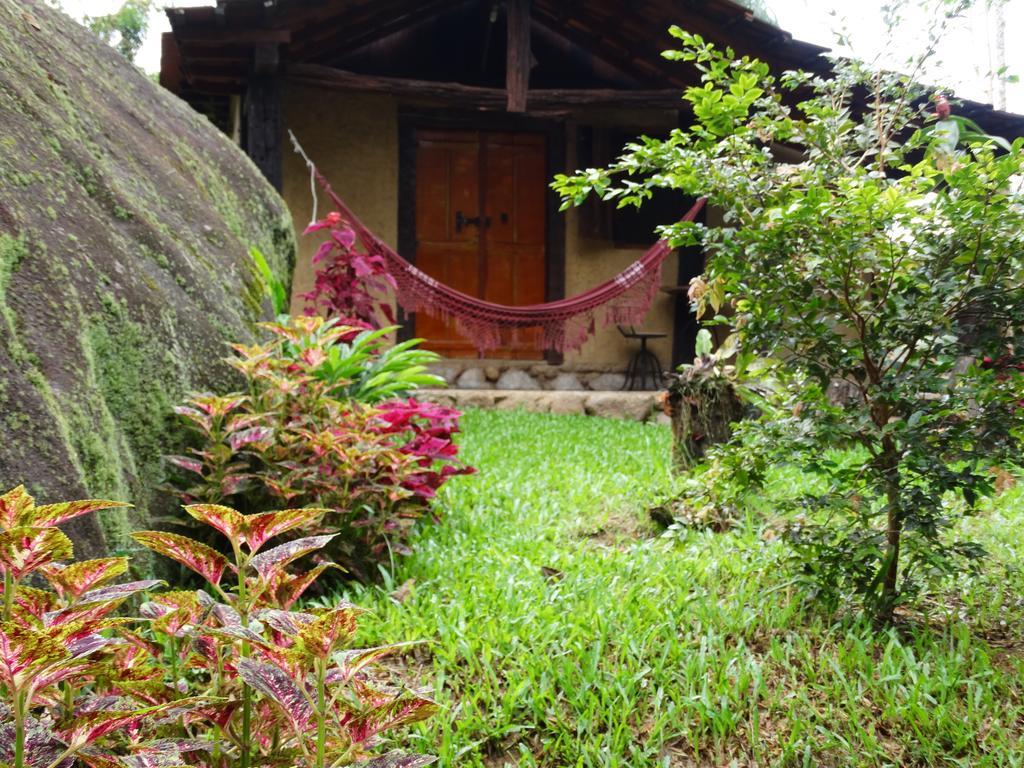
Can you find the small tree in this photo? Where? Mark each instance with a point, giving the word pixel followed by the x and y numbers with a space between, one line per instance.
pixel 890 260
pixel 125 28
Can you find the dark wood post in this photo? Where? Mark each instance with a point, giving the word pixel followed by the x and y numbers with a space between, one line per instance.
pixel 686 324
pixel 554 256
pixel 407 151
pixel 518 59
pixel 263 113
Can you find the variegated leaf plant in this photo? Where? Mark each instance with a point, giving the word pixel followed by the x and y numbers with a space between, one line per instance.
pixel 57 645
pixel 228 676
pixel 291 690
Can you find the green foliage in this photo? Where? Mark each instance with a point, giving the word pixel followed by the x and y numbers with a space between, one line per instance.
pixel 886 262
pixel 272 284
pixel 126 28
pixel 231 676
pixel 320 425
pixel 350 362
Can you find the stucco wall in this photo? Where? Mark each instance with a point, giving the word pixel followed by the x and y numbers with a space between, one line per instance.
pixel 354 141
pixel 591 261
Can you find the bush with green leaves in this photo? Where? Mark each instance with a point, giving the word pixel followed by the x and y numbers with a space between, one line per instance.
pixel 888 261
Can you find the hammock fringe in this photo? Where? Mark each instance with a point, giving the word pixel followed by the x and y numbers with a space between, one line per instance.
pixel 565 324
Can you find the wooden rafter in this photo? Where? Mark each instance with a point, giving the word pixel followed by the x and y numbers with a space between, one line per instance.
pixel 518 58
pixel 617 55
pixel 625 35
pixel 365 27
pixel 602 67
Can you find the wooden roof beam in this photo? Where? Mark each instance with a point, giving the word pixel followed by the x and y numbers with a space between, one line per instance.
pixel 615 55
pixel 518 59
pixel 228 36
pixel 476 97
pixel 594 61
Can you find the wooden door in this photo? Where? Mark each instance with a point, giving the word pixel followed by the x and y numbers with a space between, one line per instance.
pixel 480 227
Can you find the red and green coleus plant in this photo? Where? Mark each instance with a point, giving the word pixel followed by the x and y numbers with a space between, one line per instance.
pixel 219 467
pixel 319 426
pixel 231 677
pixel 293 691
pixel 56 644
pixel 427 429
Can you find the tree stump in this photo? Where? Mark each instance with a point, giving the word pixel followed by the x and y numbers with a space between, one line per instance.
pixel 703 404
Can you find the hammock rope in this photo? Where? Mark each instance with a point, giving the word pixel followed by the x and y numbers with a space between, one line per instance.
pixel 565 324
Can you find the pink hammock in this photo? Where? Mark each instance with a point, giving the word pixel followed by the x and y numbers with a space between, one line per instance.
pixel 566 324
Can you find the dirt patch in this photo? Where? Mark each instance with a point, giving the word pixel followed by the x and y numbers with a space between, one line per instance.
pixel 618 528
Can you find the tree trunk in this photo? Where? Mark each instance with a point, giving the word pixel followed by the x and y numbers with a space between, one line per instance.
pixel 894 530
pixel 703 406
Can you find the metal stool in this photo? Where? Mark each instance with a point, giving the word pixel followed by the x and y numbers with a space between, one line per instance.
pixel 644 364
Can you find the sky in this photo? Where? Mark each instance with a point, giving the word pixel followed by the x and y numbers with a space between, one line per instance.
pixel 964 60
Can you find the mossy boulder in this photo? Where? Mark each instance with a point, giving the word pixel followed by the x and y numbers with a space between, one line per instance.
pixel 125 224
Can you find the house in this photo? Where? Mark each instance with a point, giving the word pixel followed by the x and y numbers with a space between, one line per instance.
pixel 441 122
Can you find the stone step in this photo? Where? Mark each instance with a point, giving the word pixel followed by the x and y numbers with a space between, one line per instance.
pixel 637 406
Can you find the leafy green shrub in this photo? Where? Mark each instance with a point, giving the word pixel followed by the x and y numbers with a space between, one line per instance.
pixel 888 260
pixel 230 676
pixel 320 426
pixel 350 362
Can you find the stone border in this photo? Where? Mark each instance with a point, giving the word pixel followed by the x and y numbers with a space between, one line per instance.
pixel 512 375
pixel 635 406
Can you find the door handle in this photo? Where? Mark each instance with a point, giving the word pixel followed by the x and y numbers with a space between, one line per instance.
pixel 464 221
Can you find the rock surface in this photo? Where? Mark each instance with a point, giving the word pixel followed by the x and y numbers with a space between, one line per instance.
pixel 450 373
pixel 473 378
pixel 608 382
pixel 476 374
pixel 514 378
pixel 566 382
pixel 125 221
pixel 615 405
pixel 569 402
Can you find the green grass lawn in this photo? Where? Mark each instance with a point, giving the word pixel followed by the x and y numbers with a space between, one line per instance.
pixel 561 631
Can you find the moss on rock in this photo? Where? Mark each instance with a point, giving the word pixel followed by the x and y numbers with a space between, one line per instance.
pixel 125 224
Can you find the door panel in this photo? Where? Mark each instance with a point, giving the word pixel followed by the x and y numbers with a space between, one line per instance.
pixel 447 182
pixel 514 181
pixel 498 183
